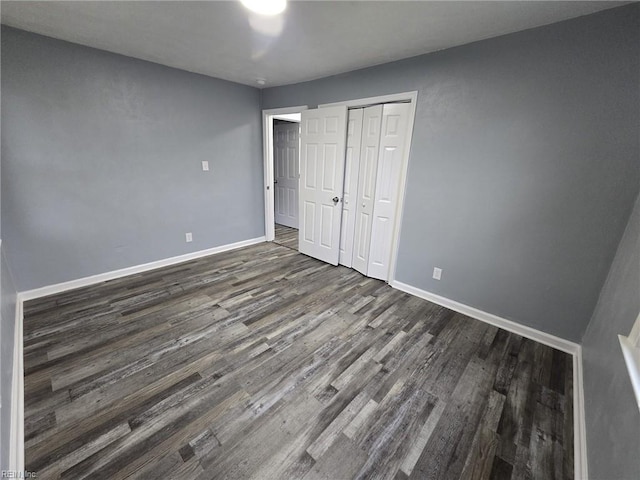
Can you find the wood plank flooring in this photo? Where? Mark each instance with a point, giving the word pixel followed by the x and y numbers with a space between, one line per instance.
pixel 264 363
pixel 286 236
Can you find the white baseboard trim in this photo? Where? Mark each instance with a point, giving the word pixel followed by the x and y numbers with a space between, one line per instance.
pixel 579 427
pixel 581 467
pixel 528 332
pixel 16 446
pixel 103 277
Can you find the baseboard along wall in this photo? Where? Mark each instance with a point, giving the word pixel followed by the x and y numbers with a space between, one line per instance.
pixel 145 267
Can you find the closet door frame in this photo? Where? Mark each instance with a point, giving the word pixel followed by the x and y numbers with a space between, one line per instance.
pixel 411 98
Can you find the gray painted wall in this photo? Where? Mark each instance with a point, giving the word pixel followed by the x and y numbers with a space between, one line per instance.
pixel 612 416
pixel 7 331
pixel 524 164
pixel 101 160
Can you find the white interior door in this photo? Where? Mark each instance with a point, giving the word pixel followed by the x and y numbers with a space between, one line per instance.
pixel 286 172
pixel 371 122
pixel 349 199
pixel 322 156
pixel 395 119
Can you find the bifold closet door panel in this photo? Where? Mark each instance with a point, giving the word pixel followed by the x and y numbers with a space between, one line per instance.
pixel 395 123
pixel 350 195
pixel 322 152
pixel 285 159
pixel 369 151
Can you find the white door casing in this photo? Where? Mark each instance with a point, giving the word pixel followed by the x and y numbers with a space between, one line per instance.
pixel 371 123
pixel 350 196
pixel 268 117
pixel 395 123
pixel 286 173
pixel 322 157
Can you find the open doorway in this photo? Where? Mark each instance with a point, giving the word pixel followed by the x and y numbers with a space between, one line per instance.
pixel 281 172
pixel 286 170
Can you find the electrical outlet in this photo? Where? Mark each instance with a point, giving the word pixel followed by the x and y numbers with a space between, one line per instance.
pixel 437 273
pixel 205 166
pixel 188 237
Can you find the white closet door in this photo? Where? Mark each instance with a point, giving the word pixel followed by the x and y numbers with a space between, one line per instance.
pixel 285 158
pixel 349 200
pixel 372 120
pixel 392 143
pixel 322 152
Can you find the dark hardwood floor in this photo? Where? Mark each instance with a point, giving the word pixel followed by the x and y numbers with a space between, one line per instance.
pixel 286 236
pixel 264 363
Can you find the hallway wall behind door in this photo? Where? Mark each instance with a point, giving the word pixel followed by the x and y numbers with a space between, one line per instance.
pixel 523 167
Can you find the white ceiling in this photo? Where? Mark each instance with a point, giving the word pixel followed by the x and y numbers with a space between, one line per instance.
pixel 310 40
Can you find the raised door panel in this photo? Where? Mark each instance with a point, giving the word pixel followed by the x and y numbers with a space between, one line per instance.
pixel 279 168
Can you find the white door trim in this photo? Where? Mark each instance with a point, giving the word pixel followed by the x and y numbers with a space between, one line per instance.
pixel 16 403
pixel 267 156
pixel 365 102
pixel 412 98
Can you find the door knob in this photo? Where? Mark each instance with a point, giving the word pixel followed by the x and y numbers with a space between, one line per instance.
pixel 275 181
pixel 336 200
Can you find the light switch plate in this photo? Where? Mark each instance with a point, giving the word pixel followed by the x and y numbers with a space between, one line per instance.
pixel 437 273
pixel 205 165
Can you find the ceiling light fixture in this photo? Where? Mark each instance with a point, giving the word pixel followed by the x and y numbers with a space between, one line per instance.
pixel 265 7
